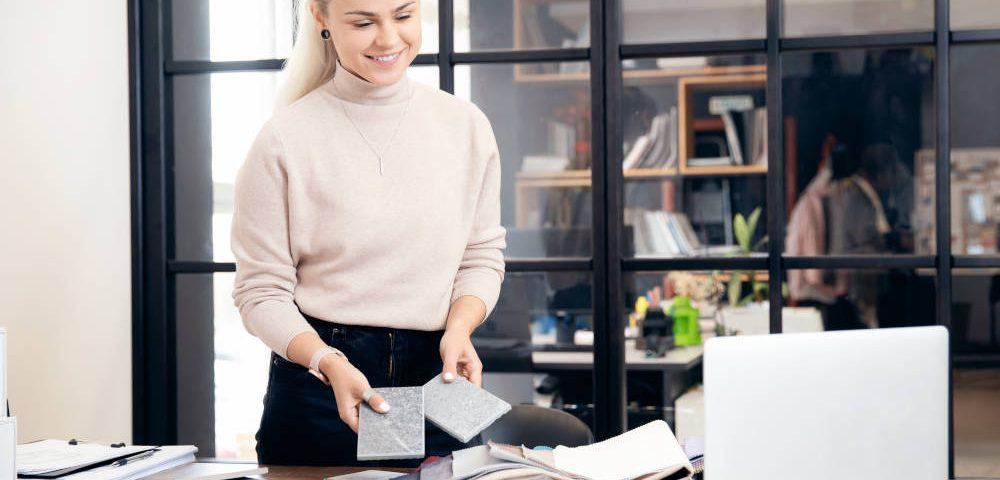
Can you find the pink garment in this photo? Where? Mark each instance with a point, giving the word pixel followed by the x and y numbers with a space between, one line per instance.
pixel 806 236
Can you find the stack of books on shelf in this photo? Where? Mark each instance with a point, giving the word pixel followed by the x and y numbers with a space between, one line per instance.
pixel 659 233
pixel 544 163
pixel 562 142
pixel 668 234
pixel 746 138
pixel 656 148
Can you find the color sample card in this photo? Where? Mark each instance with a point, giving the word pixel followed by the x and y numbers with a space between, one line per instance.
pixel 396 434
pixel 461 408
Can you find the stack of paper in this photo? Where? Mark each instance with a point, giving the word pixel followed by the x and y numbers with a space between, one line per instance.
pixel 647 452
pixel 91 461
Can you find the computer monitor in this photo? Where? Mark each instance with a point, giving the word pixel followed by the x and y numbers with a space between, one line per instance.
pixel 860 404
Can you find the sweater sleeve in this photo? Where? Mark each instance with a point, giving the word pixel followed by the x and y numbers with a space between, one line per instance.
pixel 265 270
pixel 481 270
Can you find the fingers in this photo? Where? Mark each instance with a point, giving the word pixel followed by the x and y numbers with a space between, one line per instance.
pixel 349 415
pixel 378 403
pixel 476 373
pixel 472 370
pixel 450 359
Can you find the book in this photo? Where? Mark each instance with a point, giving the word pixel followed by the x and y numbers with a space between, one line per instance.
pixel 460 408
pixel 657 148
pixel 647 452
pixel 544 163
pixel 162 459
pixel 710 162
pixel 398 433
pixel 732 138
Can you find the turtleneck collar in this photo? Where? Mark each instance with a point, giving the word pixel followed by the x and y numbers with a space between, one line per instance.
pixel 352 88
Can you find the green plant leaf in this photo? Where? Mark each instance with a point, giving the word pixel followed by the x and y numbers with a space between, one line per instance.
pixel 742 232
pixel 735 287
pixel 760 243
pixel 752 222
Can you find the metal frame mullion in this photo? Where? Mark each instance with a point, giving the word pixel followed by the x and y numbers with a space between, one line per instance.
pixel 878 40
pixel 975 36
pixel 551 264
pixel 191 67
pixel 609 334
pixel 446 46
pixel 522 56
pixel 975 261
pixel 154 358
pixel 707 48
pixel 942 190
pixel 695 263
pixel 775 165
pixel 861 261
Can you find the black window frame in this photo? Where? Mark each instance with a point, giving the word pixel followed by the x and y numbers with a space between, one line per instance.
pixel 154 269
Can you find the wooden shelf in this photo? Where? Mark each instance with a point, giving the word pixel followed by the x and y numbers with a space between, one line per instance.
pixel 724 170
pixel 578 178
pixel 635 76
pixel 686 87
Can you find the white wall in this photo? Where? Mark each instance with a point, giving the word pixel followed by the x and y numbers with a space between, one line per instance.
pixel 64 217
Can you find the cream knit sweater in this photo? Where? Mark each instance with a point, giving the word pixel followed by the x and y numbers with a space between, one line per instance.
pixel 317 228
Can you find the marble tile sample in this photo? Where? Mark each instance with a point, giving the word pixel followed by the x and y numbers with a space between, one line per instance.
pixel 398 433
pixel 461 408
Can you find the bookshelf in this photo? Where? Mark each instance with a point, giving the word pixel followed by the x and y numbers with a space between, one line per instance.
pixel 529 185
pixel 690 124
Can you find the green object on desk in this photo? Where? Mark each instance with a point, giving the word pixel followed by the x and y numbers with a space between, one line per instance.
pixel 686 330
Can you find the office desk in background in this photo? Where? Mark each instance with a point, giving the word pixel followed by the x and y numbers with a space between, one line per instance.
pixel 678 368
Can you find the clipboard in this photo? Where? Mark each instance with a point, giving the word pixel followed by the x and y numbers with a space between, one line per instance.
pixel 87 465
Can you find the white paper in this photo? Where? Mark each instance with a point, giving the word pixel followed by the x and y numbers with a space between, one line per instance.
pixel 474 461
pixel 167 457
pixel 641 451
pixel 51 455
pixel 367 475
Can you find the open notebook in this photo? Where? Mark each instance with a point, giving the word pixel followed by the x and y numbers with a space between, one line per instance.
pixel 649 452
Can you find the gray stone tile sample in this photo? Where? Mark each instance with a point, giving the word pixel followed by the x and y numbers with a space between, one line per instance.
pixel 396 434
pixel 461 408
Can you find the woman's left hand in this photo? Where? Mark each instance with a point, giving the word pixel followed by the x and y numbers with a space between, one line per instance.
pixel 459 357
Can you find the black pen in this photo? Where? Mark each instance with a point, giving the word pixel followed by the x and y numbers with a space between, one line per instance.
pixel 140 456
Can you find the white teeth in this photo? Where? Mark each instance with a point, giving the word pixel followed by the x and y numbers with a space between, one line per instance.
pixel 386 59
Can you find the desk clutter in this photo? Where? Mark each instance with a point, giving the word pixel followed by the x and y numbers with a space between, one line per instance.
pixel 75 460
pixel 647 452
pixel 459 408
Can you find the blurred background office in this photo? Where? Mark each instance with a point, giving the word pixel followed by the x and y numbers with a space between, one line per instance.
pixel 847 196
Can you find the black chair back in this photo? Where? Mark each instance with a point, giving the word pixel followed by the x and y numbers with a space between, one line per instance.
pixel 531 426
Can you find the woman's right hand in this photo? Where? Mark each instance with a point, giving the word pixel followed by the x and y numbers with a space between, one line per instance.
pixel 349 385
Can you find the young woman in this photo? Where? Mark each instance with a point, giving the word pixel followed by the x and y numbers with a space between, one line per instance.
pixel 366 230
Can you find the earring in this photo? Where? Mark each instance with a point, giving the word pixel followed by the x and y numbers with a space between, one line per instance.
pixel 325 34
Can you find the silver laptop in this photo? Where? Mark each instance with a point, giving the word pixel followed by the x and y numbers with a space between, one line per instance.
pixel 863 404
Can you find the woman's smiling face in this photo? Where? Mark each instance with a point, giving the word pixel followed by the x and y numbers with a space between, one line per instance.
pixel 375 39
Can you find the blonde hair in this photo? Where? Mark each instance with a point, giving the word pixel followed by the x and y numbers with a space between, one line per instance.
pixel 312 61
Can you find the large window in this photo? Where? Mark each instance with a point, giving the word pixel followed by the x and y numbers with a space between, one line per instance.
pixel 677 159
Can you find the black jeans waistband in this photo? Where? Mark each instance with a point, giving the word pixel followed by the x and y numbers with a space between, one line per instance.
pixel 326 329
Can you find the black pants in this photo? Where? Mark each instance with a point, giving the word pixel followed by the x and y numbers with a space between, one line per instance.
pixel 300 424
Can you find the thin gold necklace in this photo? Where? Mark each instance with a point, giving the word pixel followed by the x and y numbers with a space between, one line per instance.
pixel 392 137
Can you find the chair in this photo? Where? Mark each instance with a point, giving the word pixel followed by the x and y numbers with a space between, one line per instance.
pixel 531 426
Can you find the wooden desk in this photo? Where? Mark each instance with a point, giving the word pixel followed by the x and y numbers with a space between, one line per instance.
pixel 317 473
